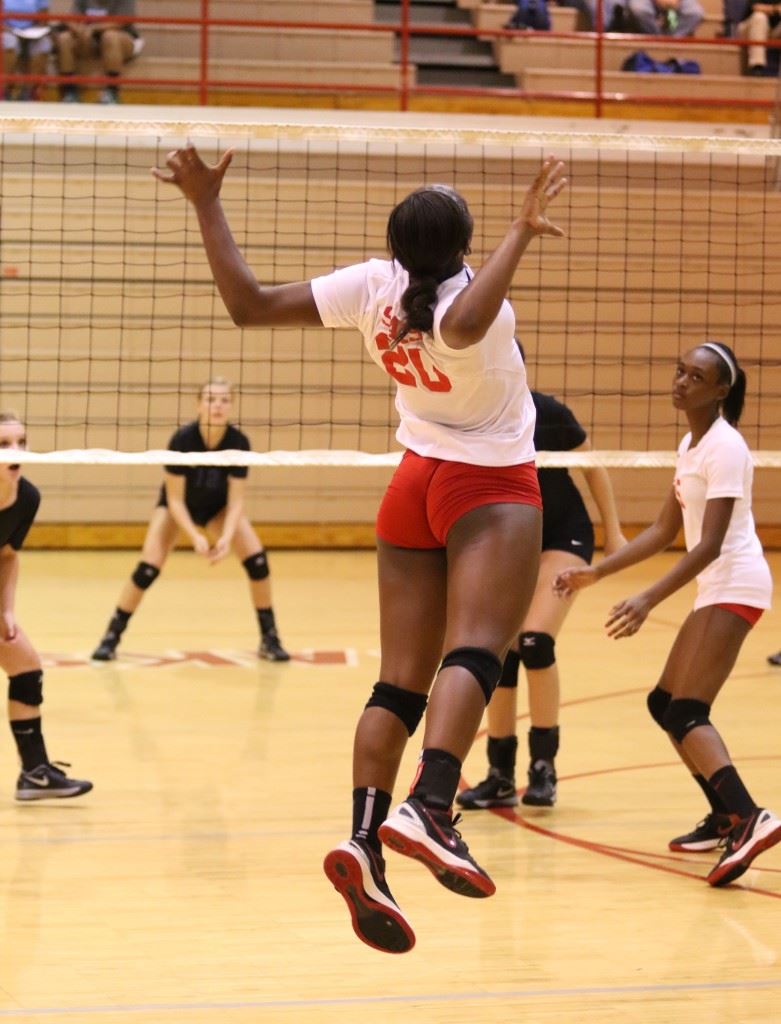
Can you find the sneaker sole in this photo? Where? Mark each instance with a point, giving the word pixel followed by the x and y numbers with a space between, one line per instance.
pixel 538 801
pixel 374 923
pixel 51 794
pixel 730 872
pixel 485 805
pixel 703 846
pixel 462 880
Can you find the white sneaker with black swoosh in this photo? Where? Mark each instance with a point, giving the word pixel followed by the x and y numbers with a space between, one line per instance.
pixel 429 835
pixel 48 782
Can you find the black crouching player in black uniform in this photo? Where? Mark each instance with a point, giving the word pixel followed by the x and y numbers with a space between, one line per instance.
pixel 40 778
pixel 207 504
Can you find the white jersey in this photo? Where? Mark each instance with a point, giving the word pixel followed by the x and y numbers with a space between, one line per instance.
pixel 461 405
pixel 720 466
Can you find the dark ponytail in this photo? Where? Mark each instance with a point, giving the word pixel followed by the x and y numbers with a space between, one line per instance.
pixel 429 234
pixel 732 406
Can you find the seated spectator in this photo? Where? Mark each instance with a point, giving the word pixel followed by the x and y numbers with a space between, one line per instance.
pixel 762 22
pixel 666 17
pixel 611 14
pixel 113 43
pixel 26 45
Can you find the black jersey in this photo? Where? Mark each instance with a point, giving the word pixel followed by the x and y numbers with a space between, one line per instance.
pixel 17 519
pixel 206 487
pixel 566 525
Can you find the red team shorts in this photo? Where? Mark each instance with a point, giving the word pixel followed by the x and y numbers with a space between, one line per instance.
pixel 745 611
pixel 426 496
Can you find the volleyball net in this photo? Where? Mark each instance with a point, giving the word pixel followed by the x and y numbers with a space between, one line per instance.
pixel 111 322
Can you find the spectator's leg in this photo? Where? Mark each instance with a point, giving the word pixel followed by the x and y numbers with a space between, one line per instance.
pixel 690 14
pixel 645 15
pixel 587 11
pixel 757 29
pixel 10 50
pixel 116 49
pixel 65 43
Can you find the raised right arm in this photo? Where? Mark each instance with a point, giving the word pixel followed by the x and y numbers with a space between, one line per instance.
pixel 249 303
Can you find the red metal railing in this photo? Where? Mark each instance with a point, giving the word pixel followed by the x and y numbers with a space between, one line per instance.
pixel 205 84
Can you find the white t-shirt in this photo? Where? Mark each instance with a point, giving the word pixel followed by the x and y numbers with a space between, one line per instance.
pixel 461 405
pixel 720 466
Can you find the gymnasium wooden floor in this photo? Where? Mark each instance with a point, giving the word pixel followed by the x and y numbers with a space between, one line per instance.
pixel 188 887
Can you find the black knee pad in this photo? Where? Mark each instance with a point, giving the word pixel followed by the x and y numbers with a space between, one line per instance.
pixel 404 704
pixel 145 575
pixel 508 680
pixel 684 715
pixel 256 566
pixel 26 688
pixel 658 702
pixel 482 663
pixel 537 650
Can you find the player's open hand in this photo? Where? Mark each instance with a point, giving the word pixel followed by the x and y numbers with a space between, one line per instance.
pixel 197 181
pixel 219 549
pixel 627 616
pixel 546 186
pixel 569 581
pixel 201 545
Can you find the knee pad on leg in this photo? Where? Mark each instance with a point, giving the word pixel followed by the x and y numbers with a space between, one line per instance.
pixel 684 715
pixel 482 663
pixel 404 704
pixel 508 680
pixel 658 702
pixel 256 566
pixel 537 650
pixel 145 575
pixel 26 688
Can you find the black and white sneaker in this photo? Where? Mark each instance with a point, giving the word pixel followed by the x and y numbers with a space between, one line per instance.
pixel 271 649
pixel 106 649
pixel 706 834
pixel 493 791
pixel 430 836
pixel 774 659
pixel 541 790
pixel 358 874
pixel 49 782
pixel 748 838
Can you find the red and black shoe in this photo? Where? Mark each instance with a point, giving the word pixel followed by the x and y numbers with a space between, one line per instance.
pixel 748 838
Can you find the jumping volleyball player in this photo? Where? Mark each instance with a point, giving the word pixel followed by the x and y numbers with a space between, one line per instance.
pixel 458 531
pixel 40 778
pixel 711 496
pixel 207 504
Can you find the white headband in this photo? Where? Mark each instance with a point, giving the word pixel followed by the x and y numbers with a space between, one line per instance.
pixel 733 370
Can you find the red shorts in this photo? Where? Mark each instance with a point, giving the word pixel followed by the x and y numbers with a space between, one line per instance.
pixel 426 496
pixel 745 611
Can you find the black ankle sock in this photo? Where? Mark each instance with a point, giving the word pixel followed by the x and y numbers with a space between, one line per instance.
pixel 370 809
pixel 543 744
pixel 501 755
pixel 268 626
pixel 728 787
pixel 29 742
pixel 118 625
pixel 437 779
pixel 717 805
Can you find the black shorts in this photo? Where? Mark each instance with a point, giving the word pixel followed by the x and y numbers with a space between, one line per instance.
pixel 201 512
pixel 573 533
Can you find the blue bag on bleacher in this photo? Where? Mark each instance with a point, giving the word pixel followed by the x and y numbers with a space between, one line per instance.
pixel 531 14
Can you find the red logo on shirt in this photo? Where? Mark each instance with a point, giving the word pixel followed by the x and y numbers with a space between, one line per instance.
pixel 400 362
pixel 677 487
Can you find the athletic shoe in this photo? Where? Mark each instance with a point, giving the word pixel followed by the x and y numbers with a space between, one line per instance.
pixel 541 791
pixel 48 782
pixel 706 834
pixel 358 874
pixel 430 836
pixel 106 649
pixel 774 659
pixel 493 791
pixel 747 839
pixel 271 649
